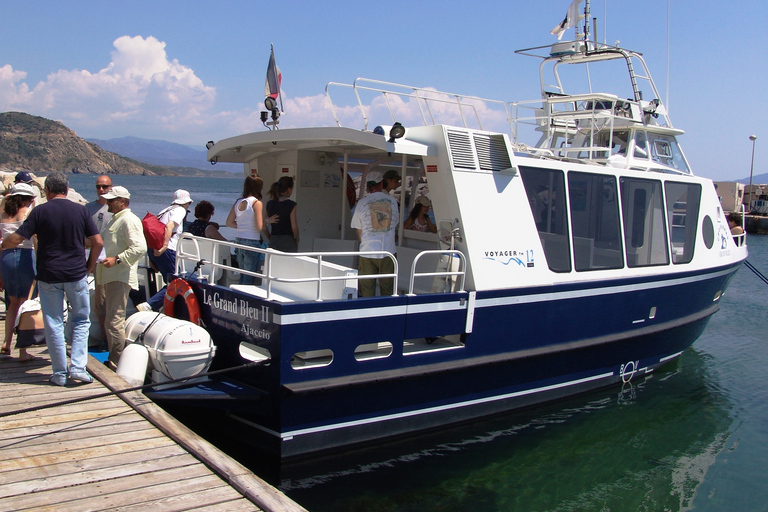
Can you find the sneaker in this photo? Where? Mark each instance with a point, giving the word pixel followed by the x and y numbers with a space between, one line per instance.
pixel 80 375
pixel 144 306
pixel 58 379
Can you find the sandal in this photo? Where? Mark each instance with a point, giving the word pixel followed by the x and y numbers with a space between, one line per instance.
pixel 5 351
pixel 29 357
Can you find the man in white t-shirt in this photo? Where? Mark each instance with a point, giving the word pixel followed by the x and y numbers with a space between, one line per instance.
pixel 164 259
pixel 99 209
pixel 375 220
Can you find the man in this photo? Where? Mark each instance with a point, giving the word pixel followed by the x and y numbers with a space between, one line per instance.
pixel 375 220
pixel 164 259
pixel 98 208
pixel 99 211
pixel 391 181
pixel 124 245
pixel 61 227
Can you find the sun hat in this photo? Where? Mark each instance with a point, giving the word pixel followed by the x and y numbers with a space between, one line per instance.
pixel 423 200
pixel 117 192
pixel 373 178
pixel 22 189
pixel 22 177
pixel 181 197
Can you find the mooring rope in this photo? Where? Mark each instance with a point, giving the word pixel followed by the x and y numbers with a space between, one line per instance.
pixel 251 364
pixel 757 272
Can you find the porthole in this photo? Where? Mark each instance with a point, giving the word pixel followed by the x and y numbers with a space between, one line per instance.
pixel 708 231
pixel 311 359
pixel 368 351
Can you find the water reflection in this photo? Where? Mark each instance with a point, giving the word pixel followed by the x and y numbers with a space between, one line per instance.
pixel 646 445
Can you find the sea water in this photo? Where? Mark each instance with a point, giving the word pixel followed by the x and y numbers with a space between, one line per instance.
pixel 153 193
pixel 692 436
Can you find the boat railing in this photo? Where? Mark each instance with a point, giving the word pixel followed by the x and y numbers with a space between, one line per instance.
pixel 427 100
pixel 448 273
pixel 287 271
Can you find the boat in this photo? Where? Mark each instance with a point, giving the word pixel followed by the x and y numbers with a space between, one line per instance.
pixel 585 258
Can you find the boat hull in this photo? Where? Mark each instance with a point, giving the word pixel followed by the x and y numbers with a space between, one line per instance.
pixel 525 347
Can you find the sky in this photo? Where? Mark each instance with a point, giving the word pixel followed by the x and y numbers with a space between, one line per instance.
pixel 194 70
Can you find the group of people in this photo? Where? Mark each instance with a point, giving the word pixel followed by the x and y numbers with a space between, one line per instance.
pixel 375 220
pixel 59 243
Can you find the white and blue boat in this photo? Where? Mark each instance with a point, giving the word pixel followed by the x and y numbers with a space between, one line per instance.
pixel 587 259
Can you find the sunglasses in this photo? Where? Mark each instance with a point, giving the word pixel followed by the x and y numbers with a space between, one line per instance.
pixel 102 186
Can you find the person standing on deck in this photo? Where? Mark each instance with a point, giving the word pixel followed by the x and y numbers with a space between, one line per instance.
pixel 61 227
pixel 375 220
pixel 124 245
pixel 99 212
pixel 164 259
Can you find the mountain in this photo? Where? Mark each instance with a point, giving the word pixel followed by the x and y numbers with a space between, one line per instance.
pixel 756 179
pixel 160 152
pixel 39 145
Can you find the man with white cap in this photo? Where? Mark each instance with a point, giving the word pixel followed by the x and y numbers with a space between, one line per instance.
pixel 164 259
pixel 375 220
pixel 124 245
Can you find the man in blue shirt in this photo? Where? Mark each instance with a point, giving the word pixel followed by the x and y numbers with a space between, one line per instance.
pixel 62 227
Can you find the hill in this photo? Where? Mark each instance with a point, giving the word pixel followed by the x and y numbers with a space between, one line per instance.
pixel 39 145
pixel 164 153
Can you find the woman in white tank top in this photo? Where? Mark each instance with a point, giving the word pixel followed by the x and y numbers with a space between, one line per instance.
pixel 246 217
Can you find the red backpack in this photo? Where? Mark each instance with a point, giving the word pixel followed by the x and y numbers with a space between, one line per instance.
pixel 154 231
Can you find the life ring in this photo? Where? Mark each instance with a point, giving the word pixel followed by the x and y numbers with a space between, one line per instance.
pixel 181 288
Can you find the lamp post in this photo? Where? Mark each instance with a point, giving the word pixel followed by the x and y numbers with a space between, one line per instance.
pixel 753 138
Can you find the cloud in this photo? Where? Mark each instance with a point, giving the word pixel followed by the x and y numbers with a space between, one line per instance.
pixel 141 89
pixel 144 93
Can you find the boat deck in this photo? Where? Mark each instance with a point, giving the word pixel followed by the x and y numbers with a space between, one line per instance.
pixel 110 452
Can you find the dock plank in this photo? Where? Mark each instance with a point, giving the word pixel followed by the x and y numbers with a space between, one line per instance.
pixel 117 452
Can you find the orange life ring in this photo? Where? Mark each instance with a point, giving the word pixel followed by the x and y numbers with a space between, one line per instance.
pixel 180 288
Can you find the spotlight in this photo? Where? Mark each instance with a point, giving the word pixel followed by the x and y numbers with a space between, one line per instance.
pixel 396 132
pixel 270 103
pixel 209 144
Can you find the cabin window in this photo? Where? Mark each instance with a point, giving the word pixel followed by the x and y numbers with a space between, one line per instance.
pixel 645 233
pixel 595 221
pixel 682 216
pixel 545 189
pixel 641 146
pixel 666 151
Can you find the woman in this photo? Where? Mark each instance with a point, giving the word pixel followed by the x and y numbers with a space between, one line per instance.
pixel 418 220
pixel 17 266
pixel 247 218
pixel 734 223
pixel 285 231
pixel 202 226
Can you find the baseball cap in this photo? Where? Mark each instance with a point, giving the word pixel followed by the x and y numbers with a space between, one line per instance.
pixel 22 189
pixel 181 197
pixel 117 192
pixel 423 200
pixel 22 177
pixel 373 177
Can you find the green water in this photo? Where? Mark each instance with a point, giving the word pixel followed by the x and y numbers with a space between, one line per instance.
pixel 691 437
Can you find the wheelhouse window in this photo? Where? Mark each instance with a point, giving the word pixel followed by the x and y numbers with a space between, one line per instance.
pixel 595 221
pixel 645 233
pixel 682 216
pixel 545 189
pixel 666 151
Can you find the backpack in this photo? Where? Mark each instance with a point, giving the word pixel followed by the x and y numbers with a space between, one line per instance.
pixel 154 231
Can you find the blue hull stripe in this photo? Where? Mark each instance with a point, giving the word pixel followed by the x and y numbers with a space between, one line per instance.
pixel 287 436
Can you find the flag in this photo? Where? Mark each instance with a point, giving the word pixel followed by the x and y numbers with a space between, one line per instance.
pixel 274 78
pixel 570 21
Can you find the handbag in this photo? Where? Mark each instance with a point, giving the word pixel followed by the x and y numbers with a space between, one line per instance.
pixel 30 329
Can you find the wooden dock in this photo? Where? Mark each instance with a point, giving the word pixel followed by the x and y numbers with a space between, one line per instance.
pixel 115 452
